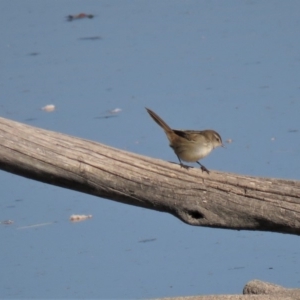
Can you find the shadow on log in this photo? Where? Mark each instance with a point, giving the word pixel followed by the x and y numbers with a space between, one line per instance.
pixel 220 200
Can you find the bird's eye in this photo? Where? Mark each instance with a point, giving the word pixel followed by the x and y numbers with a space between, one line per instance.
pixel 217 138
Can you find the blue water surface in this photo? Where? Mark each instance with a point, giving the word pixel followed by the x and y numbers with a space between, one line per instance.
pixel 233 66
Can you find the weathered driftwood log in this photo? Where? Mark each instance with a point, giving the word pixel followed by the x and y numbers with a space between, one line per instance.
pixel 254 290
pixel 257 287
pixel 220 200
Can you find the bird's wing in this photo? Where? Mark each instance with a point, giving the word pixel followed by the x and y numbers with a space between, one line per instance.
pixel 189 135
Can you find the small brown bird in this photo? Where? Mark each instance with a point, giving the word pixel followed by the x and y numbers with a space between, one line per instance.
pixel 189 145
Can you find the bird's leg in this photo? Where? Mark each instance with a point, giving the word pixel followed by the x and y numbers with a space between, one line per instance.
pixel 202 167
pixel 182 165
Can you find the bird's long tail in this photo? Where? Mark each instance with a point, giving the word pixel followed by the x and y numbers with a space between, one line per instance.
pixel 159 121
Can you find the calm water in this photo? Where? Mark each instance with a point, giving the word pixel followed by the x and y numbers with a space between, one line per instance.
pixel 232 66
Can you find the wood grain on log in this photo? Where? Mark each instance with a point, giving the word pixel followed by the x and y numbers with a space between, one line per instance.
pixel 254 290
pixel 217 199
pixel 257 287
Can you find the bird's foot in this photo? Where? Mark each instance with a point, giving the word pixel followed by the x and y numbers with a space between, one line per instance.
pixel 204 169
pixel 185 166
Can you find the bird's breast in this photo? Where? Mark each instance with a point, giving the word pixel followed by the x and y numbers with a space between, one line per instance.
pixel 191 152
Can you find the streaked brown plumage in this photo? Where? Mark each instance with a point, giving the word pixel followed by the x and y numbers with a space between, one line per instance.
pixel 189 145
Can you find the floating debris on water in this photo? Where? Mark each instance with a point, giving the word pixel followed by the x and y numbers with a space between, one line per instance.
pixel 79 16
pixel 110 113
pixel 48 108
pixel 7 222
pixel 147 240
pixel 79 218
pixel 115 111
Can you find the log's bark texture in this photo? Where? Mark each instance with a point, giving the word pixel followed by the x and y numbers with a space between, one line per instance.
pixel 253 290
pixel 217 199
pixel 231 297
pixel 257 287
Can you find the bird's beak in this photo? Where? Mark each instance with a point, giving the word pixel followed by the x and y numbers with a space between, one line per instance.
pixel 223 146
